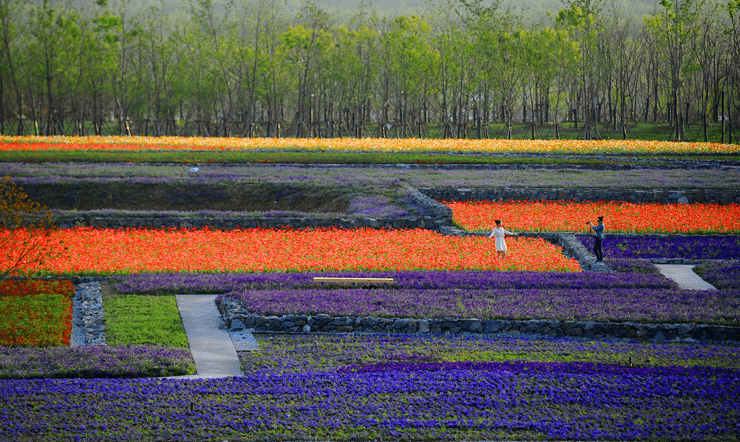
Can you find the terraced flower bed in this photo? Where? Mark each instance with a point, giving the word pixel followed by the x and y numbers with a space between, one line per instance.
pixel 323 176
pixel 390 386
pixel 535 216
pixel 617 297
pixel 121 361
pixel 725 247
pixel 35 313
pixel 614 305
pixel 111 251
pixel 378 387
pixel 169 283
pixel 723 275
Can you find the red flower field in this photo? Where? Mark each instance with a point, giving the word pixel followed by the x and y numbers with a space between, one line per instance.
pixel 109 251
pixel 537 216
pixel 35 313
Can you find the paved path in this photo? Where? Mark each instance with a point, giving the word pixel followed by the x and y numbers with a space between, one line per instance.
pixel 212 348
pixel 685 277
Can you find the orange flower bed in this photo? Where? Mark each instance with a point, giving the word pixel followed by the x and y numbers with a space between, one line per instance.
pixel 33 143
pixel 36 313
pixel 111 251
pixel 534 216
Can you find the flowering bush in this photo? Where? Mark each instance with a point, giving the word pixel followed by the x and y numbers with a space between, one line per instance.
pixel 35 313
pixel 535 216
pixel 108 251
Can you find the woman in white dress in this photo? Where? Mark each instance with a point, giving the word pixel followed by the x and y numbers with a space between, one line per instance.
pixel 499 232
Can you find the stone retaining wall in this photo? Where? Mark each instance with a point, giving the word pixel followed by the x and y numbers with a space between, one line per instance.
pixel 438 209
pixel 583 329
pixel 582 194
pixel 159 222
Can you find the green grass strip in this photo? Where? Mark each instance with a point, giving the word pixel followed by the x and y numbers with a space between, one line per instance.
pixel 150 320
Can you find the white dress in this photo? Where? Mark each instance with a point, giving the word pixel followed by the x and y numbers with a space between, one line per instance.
pixel 499 233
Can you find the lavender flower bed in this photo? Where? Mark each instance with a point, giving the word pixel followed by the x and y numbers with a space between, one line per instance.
pixel 161 283
pixel 418 177
pixel 723 275
pixel 378 206
pixel 656 246
pixel 94 362
pixel 328 353
pixel 628 265
pixel 617 305
pixel 394 402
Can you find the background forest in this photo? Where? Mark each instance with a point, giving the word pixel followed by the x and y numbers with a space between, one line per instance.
pixel 457 68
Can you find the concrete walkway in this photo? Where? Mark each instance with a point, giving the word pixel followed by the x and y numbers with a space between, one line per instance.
pixel 685 277
pixel 211 347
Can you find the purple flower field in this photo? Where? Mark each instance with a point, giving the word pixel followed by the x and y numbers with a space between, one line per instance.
pixel 521 401
pixel 94 362
pixel 328 353
pixel 161 283
pixel 723 275
pixel 420 177
pixel 617 305
pixel 361 387
pixel 656 246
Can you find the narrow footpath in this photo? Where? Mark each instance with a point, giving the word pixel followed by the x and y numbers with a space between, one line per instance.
pixel 212 348
pixel 685 277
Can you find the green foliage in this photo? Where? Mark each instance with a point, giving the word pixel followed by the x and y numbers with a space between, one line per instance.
pixel 150 320
pixel 219 67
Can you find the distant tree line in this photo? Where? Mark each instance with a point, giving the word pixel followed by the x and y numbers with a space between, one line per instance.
pixel 255 69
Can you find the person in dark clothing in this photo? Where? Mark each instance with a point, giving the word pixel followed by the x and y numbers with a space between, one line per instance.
pixel 598 230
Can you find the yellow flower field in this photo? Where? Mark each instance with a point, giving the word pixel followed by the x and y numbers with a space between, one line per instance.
pixel 113 143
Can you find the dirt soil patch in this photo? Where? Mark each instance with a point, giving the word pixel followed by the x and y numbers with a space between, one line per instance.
pixel 188 198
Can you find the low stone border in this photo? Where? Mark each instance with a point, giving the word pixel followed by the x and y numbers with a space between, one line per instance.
pixel 160 222
pixel 687 261
pixel 720 196
pixel 553 328
pixel 88 323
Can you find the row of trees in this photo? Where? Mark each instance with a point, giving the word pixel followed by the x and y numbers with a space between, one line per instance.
pixel 252 68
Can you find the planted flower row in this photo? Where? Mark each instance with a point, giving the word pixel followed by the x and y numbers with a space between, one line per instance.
pixel 138 143
pixel 111 251
pixel 130 361
pixel 332 352
pixel 356 177
pixel 535 216
pixel 616 305
pixel 401 401
pixel 162 283
pixel 653 246
pixel 723 275
pixel 35 313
